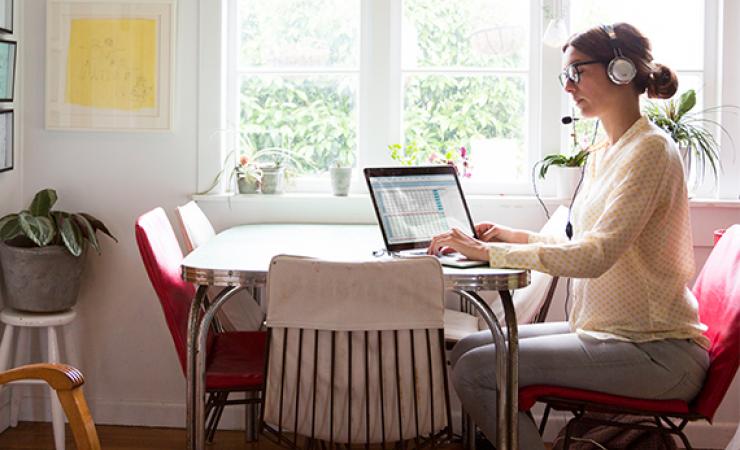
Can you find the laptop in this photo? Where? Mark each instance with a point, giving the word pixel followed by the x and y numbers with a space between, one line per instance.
pixel 414 204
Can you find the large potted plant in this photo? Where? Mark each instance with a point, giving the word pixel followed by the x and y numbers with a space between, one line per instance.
pixel 697 144
pixel 42 254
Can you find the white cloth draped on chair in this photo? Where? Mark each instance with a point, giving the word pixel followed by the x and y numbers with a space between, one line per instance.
pixel 364 342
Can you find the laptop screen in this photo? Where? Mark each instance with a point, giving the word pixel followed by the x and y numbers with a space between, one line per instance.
pixel 414 204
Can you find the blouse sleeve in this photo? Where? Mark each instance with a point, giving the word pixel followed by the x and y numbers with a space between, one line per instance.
pixel 545 238
pixel 629 206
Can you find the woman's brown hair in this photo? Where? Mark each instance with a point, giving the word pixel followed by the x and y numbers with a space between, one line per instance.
pixel 659 80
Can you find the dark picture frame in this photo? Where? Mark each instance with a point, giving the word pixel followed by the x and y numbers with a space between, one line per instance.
pixel 6 16
pixel 6 139
pixel 7 69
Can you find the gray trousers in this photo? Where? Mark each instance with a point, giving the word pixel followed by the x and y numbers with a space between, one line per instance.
pixel 550 354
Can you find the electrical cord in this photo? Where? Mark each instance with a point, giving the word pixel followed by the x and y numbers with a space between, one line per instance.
pixel 567 300
pixel 534 186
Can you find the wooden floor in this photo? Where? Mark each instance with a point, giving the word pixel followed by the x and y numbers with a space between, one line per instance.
pixel 38 436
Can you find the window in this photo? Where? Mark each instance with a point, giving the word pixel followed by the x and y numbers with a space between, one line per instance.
pixel 682 51
pixel 457 76
pixel 465 68
pixel 298 76
pixel 341 80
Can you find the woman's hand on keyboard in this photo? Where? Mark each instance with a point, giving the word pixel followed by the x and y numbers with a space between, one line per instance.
pixel 456 240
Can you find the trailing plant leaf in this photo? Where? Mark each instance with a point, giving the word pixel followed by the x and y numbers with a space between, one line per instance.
pixel 98 225
pixel 10 227
pixel 218 176
pixel 71 236
pixel 87 230
pixel 40 230
pixel 42 202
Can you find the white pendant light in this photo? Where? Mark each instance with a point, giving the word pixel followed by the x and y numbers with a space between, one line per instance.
pixel 556 32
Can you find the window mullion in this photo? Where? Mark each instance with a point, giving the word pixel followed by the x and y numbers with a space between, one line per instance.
pixel 377 86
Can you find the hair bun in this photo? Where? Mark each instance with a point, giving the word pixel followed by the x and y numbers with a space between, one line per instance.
pixel 662 83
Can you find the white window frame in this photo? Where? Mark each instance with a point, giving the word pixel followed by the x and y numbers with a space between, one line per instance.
pixel 381 101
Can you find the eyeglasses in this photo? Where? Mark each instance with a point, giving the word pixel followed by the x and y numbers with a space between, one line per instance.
pixel 572 73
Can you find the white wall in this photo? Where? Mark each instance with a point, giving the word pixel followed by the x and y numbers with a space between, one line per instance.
pixel 11 181
pixel 120 340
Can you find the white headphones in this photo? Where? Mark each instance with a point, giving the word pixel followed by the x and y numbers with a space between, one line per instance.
pixel 621 70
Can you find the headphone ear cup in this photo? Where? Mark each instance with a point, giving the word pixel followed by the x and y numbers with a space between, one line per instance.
pixel 621 70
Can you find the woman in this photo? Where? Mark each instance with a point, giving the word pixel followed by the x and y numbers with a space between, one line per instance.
pixel 633 328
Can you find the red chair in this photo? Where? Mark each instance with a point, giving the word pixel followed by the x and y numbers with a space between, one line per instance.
pixel 718 291
pixel 235 359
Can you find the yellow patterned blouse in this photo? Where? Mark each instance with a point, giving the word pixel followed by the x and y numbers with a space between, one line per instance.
pixel 631 255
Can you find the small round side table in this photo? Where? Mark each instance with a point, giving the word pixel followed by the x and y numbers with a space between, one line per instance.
pixel 12 319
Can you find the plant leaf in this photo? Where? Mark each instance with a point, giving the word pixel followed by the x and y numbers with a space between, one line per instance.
pixel 39 229
pixel 42 202
pixel 686 102
pixel 87 231
pixel 98 225
pixel 71 236
pixel 56 218
pixel 9 227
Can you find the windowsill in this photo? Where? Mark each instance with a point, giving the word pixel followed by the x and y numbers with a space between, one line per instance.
pixel 501 199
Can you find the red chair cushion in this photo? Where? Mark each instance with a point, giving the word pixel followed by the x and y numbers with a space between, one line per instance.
pixel 718 290
pixel 529 395
pixel 236 360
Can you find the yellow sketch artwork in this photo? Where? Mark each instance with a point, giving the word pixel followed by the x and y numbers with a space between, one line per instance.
pixel 112 63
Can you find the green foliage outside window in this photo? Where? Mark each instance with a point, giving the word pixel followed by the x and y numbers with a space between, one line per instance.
pixel 444 113
pixel 315 116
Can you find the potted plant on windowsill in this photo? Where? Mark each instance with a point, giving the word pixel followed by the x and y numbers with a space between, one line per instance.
pixel 568 164
pixel 277 165
pixel 459 159
pixel 42 254
pixel 569 170
pixel 697 145
pixel 244 172
pixel 411 155
pixel 248 176
pixel 340 174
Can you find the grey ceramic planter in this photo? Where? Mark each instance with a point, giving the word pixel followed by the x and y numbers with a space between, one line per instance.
pixel 272 180
pixel 40 279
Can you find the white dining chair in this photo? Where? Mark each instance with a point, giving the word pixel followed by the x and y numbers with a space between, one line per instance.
pixel 195 227
pixel 242 313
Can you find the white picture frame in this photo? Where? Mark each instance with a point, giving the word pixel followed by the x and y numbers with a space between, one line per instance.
pixel 109 65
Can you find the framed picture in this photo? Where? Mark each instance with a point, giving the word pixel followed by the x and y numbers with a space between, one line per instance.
pixel 7 70
pixel 109 64
pixel 6 16
pixel 6 140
